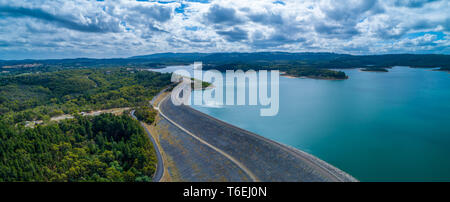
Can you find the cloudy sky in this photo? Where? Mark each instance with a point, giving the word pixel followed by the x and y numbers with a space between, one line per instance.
pixel 122 28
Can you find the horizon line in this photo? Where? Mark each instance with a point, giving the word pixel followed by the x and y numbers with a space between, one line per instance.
pixel 150 54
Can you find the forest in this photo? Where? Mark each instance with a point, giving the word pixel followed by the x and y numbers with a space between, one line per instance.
pixel 145 114
pixel 376 69
pixel 99 148
pixel 92 148
pixel 39 96
pixel 316 73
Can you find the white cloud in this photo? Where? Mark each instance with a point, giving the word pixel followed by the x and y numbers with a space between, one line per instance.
pixel 59 28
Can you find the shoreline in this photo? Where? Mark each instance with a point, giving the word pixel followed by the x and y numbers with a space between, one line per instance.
pixel 323 164
pixel 440 70
pixel 311 77
pixel 383 70
pixel 318 170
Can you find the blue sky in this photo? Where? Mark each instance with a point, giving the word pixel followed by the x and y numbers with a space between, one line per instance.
pixel 39 29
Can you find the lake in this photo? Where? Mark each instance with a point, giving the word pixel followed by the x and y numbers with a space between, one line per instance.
pixel 392 126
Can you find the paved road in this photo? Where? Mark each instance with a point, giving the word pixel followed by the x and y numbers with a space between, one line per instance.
pixel 157 95
pixel 260 158
pixel 232 159
pixel 160 166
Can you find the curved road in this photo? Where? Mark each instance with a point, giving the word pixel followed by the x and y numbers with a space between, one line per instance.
pixel 240 165
pixel 160 165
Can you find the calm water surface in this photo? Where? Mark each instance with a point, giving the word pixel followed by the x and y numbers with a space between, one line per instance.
pixel 391 126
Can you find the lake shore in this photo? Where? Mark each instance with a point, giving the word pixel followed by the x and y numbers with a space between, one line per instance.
pixel 362 86
pixel 266 159
pixel 311 77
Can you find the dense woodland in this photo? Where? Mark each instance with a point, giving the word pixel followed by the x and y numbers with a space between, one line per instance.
pixel 376 69
pixel 145 114
pixel 100 148
pixel 317 73
pixel 86 148
pixel 39 96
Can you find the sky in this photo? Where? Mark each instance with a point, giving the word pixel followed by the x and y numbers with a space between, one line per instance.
pixel 42 29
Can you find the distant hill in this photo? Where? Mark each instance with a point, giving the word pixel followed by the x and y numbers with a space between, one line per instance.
pixel 260 60
pixel 185 56
pixel 341 59
pixel 239 56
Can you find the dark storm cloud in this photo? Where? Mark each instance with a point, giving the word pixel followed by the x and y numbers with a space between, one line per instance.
pixel 339 11
pixel 447 24
pixel 430 24
pixel 274 40
pixel 413 3
pixel 159 13
pixel 235 34
pixel 222 15
pixel 341 19
pixel 99 26
pixel 267 18
pixel 336 31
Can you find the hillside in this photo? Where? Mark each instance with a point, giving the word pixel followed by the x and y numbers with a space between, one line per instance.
pixel 283 61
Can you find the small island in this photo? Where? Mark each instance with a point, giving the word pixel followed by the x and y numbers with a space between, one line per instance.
pixel 445 69
pixel 313 73
pixel 374 69
pixel 205 85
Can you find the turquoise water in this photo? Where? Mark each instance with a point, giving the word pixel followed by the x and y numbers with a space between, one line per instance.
pixel 391 126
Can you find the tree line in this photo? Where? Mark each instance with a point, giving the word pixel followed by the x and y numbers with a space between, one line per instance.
pixel 39 96
pixel 86 148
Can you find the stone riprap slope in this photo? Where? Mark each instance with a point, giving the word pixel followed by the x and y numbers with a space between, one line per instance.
pixel 267 160
pixel 193 161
